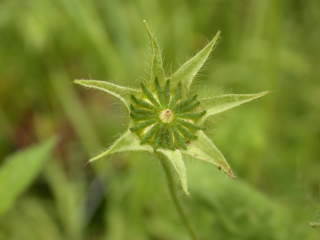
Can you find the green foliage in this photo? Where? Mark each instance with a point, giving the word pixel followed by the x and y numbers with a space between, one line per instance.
pixel 273 145
pixel 31 219
pixel 166 131
pixel 19 170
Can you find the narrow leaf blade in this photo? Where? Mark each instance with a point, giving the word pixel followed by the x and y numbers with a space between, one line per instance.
pixel 157 70
pixel 127 142
pixel 121 92
pixel 223 103
pixel 175 158
pixel 189 69
pixel 204 149
pixel 19 170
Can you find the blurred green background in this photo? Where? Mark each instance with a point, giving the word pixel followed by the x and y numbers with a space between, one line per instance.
pixel 273 144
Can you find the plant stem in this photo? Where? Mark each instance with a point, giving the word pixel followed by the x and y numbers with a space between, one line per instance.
pixel 174 196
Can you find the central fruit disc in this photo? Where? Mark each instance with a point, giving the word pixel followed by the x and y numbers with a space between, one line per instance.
pixel 166 116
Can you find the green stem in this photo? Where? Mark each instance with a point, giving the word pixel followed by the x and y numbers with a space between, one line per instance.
pixel 174 196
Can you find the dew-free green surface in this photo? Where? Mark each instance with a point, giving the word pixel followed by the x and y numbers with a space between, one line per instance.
pixel 19 170
pixel 272 144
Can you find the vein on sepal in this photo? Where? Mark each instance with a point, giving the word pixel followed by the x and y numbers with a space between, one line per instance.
pixel 221 103
pixel 157 65
pixel 121 92
pixel 176 161
pixel 204 149
pixel 127 142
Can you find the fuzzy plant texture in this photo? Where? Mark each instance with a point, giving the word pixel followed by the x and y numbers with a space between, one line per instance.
pixel 166 118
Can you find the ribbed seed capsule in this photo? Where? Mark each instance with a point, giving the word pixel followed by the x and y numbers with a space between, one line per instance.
pixel 150 133
pixel 180 107
pixel 189 125
pixel 170 139
pixel 140 115
pixel 142 125
pixel 166 136
pixel 160 91
pixel 191 106
pixel 167 92
pixel 193 116
pixel 176 96
pixel 188 135
pixel 141 111
pixel 149 95
pixel 141 102
pixel 163 118
pixel 179 140
pixel 161 137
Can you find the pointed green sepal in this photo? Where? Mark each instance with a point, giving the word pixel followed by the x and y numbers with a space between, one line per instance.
pixel 189 69
pixel 223 103
pixel 175 158
pixel 122 93
pixel 157 70
pixel 127 142
pixel 204 149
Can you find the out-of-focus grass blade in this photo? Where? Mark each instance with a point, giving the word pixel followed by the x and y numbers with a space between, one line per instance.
pixel 68 199
pixel 315 224
pixel 19 171
pixel 31 219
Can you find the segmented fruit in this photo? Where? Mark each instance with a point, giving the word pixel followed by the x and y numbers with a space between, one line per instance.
pixel 164 117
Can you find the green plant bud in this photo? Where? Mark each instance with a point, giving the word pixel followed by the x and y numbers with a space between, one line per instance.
pixel 165 119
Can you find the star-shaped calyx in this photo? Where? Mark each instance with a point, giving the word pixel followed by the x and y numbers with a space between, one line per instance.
pixel 166 118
